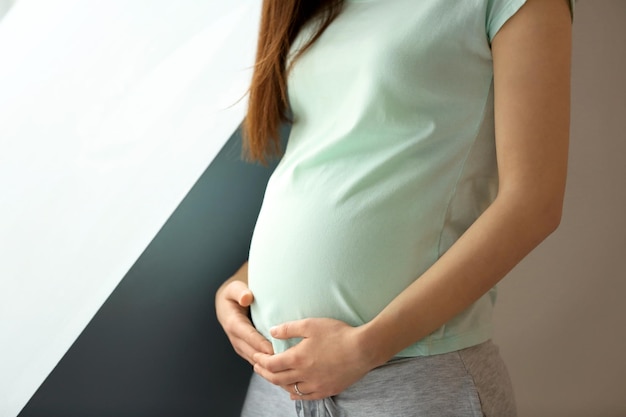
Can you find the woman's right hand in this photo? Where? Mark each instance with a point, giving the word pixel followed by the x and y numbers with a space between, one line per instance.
pixel 232 302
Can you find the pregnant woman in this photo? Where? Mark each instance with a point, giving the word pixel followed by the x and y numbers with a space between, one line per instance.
pixel 427 157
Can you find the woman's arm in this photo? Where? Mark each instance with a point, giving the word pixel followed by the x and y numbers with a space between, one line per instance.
pixel 232 301
pixel 531 56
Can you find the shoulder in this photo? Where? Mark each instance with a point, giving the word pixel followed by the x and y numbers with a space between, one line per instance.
pixel 499 12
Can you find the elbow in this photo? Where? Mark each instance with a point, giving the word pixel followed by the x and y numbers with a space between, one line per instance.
pixel 536 216
pixel 544 218
pixel 553 218
pixel 549 208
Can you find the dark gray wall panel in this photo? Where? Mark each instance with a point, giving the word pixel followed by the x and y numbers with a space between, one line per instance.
pixel 155 347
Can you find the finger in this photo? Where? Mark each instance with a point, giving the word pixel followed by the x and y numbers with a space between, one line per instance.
pixel 258 342
pixel 241 329
pixel 292 329
pixel 244 350
pixel 302 393
pixel 276 363
pixel 277 378
pixel 239 292
pixel 252 344
pixel 245 298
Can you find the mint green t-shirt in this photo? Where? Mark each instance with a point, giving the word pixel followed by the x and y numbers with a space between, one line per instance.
pixel 391 157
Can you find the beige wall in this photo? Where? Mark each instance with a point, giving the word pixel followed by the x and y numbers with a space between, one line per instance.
pixel 561 320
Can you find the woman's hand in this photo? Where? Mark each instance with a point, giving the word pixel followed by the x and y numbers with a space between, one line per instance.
pixel 331 356
pixel 232 302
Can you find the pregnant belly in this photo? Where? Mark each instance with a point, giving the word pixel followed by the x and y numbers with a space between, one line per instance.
pixel 317 260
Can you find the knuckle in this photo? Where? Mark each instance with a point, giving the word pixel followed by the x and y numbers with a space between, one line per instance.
pixel 263 363
pixel 305 325
pixel 228 327
pixel 239 349
pixel 303 361
pixel 231 324
pixel 252 335
pixel 296 361
pixel 272 367
pixel 227 291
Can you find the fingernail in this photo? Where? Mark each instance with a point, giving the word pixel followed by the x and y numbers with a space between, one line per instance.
pixel 273 330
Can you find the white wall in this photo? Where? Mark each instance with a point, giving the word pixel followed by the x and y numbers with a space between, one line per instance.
pixel 5 5
pixel 108 116
pixel 561 318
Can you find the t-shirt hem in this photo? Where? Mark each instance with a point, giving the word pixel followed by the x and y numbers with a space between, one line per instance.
pixel 430 346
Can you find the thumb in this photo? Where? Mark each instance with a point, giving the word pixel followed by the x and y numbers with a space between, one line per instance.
pixel 292 329
pixel 246 298
pixel 239 292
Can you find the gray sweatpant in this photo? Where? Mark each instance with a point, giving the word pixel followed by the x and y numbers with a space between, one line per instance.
pixel 471 382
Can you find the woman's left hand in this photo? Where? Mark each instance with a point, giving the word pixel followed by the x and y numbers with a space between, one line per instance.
pixel 331 356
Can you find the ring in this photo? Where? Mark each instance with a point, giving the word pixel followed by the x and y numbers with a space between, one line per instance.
pixel 295 388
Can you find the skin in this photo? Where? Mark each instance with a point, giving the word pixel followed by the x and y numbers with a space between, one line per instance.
pixel 531 55
pixel 232 303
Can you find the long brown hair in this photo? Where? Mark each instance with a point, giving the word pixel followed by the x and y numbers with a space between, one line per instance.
pixel 281 20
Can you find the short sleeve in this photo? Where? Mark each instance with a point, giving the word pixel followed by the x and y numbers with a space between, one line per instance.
pixel 500 11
